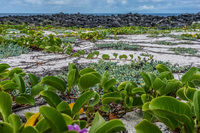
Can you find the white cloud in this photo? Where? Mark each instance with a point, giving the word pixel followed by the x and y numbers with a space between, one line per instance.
pixel 110 1
pixel 34 1
pixel 124 2
pixel 145 7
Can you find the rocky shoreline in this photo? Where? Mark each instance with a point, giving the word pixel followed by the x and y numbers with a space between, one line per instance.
pixel 89 21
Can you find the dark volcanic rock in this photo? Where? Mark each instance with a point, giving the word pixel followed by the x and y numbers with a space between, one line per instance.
pixel 81 20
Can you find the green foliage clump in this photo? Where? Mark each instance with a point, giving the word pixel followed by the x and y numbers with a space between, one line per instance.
pixel 12 50
pixel 182 50
pixel 105 57
pixel 119 46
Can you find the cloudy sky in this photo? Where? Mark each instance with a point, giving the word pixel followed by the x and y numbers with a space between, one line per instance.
pixel 99 6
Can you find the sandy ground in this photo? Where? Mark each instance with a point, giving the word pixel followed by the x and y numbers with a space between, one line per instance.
pixel 42 63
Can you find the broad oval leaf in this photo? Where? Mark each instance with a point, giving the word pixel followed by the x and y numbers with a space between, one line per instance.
pixel 172 85
pixel 33 79
pixel 146 79
pixel 111 126
pixel 54 119
pixel 188 75
pixel 111 97
pixel 5 105
pixel 25 99
pixel 171 107
pixel 124 84
pixel 84 98
pixel 15 121
pixel 158 83
pixel 6 127
pixel 162 68
pixel 16 70
pixel 86 70
pixel 96 100
pixel 64 107
pixel 51 98
pixel 8 85
pixel 20 82
pixel 97 122
pixel 88 80
pixel 71 78
pixel 196 101
pixel 3 67
pixel 146 126
pixel 55 82
pixel 30 129
pixel 109 84
pixel 138 91
pixel 36 89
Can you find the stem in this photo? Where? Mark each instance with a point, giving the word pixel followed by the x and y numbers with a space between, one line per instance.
pixel 74 91
pixel 197 124
pixel 186 129
pixel 114 105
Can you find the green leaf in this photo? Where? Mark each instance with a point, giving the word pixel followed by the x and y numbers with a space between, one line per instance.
pixel 25 99
pixel 157 84
pixel 3 67
pixel 15 121
pixel 51 98
pixel 28 115
pixel 172 85
pixel 20 82
pixel 88 80
pixel 6 127
pixel 111 126
pixel 186 93
pixel 68 119
pixel 5 105
pixel 42 126
pixel 71 78
pixel 86 70
pixel 163 75
pixel 55 82
pixel 30 129
pixel 105 108
pixel 146 79
pixel 146 98
pixel 54 119
pixel 33 79
pixel 63 107
pixel 84 98
pixel 111 97
pixel 96 100
pixel 196 101
pixel 138 91
pixel 161 68
pixel 16 70
pixel 188 75
pixel 109 84
pixel 72 66
pixel 171 108
pixel 123 85
pixel 128 101
pixel 147 127
pixel 97 122
pixel 8 85
pixel 36 89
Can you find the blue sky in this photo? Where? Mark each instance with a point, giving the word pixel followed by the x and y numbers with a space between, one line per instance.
pixel 99 6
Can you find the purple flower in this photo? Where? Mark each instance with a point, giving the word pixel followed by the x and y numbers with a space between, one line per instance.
pixel 74 50
pixel 77 128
